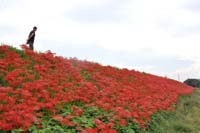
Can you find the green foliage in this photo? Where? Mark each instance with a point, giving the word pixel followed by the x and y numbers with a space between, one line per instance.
pixel 84 121
pixel 50 125
pixel 130 127
pixel 157 122
pixel 185 119
pixel 85 75
pixel 3 82
pixel 180 127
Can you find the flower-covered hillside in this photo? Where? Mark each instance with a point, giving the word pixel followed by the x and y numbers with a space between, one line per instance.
pixel 42 91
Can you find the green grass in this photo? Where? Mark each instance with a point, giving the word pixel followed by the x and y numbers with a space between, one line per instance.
pixel 185 119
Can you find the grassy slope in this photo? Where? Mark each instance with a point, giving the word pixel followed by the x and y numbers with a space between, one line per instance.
pixel 185 119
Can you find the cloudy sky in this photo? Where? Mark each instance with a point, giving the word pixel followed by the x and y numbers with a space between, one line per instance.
pixel 161 37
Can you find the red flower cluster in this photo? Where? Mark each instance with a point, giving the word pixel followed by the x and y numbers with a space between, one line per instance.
pixel 130 94
pixel 44 81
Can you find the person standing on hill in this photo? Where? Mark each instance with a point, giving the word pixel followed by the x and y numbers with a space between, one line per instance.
pixel 31 38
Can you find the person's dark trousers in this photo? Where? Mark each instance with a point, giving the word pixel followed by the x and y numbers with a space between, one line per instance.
pixel 31 45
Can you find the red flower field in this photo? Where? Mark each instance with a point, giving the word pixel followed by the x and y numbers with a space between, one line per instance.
pixel 36 85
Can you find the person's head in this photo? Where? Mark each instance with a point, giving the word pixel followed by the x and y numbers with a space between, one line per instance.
pixel 34 28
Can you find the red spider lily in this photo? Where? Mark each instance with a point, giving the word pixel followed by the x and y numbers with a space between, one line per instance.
pixel 97 122
pixel 77 112
pixel 67 122
pixel 90 130
pixel 57 118
pixel 109 125
pixel 107 130
pixel 122 122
